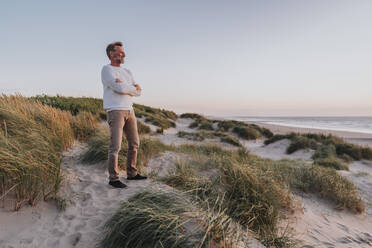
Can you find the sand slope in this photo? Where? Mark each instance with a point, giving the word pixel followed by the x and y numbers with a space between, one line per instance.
pixel 91 201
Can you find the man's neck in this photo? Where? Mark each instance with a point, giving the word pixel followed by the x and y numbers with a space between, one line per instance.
pixel 116 65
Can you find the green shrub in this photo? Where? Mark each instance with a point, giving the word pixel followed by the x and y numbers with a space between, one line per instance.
pixel 331 162
pixel 366 153
pixel 231 140
pixel 143 128
pixel 192 116
pixel 191 136
pixel 206 125
pixel 324 151
pixel 301 142
pixel 278 137
pixel 146 110
pixel 246 133
pixel 227 125
pixel 74 105
pixel 344 150
pixel 194 124
pixel 349 149
pixel 160 121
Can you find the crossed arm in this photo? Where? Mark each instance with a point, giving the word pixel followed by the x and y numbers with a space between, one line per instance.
pixel 118 86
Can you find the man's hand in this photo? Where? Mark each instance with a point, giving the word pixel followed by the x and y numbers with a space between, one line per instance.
pixel 117 80
pixel 138 87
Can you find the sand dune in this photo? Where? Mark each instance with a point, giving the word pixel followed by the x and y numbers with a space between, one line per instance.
pixel 91 201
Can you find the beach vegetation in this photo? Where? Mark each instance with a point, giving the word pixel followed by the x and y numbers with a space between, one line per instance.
pixel 192 116
pixel 143 128
pixel 158 117
pixel 325 146
pixel 32 138
pixel 168 219
pixel 202 135
pixel 98 147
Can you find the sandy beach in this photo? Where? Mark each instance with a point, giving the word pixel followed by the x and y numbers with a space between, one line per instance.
pixel 352 137
pixel 91 201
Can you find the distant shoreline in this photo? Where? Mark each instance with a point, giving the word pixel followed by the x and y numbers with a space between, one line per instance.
pixel 353 137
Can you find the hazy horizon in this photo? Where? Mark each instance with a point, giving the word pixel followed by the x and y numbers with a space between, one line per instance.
pixel 225 58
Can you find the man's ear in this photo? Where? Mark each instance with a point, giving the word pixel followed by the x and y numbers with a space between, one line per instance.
pixel 110 54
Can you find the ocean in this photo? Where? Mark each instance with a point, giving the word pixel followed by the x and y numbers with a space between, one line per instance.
pixel 351 124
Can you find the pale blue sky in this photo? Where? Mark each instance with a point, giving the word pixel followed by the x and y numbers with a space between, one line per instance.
pixel 211 57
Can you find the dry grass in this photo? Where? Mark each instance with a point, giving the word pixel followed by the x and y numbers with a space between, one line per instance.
pixel 257 191
pixel 168 219
pixel 98 147
pixel 341 148
pixel 250 196
pixel 32 137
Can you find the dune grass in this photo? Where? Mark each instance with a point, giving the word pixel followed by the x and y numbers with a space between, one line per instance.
pixel 159 117
pixel 84 125
pixel 75 105
pixel 228 138
pixel 314 141
pixel 196 136
pixel 251 197
pixel 32 138
pixel 192 116
pixel 98 149
pixel 242 129
pixel 330 151
pixel 202 124
pixel 143 128
pixel 148 219
pixel 167 219
pixel 202 135
pixel 256 191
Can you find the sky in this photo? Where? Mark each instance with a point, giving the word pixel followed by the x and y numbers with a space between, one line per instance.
pixel 220 57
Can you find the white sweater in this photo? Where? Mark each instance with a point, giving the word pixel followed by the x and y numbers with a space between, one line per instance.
pixel 118 96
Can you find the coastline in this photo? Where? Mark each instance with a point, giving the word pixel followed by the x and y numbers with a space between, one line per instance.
pixel 364 139
pixel 358 138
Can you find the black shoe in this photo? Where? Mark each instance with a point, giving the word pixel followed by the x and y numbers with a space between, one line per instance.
pixel 137 177
pixel 117 184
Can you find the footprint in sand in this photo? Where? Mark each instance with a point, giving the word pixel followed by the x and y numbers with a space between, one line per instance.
pixel 368 236
pixel 26 241
pixel 74 238
pixel 85 197
pixel 83 184
pixel 57 232
pixel 329 245
pixel 80 226
pixel 344 240
pixel 69 217
pixel 313 237
pixel 363 240
pixel 343 227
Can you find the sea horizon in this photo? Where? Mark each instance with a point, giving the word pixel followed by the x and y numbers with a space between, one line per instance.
pixel 360 124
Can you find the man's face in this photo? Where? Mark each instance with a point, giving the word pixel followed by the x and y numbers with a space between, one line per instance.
pixel 118 55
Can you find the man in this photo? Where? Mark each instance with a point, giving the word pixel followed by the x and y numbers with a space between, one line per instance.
pixel 118 90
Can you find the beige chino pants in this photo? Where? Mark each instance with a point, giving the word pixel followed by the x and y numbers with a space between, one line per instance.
pixel 119 121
